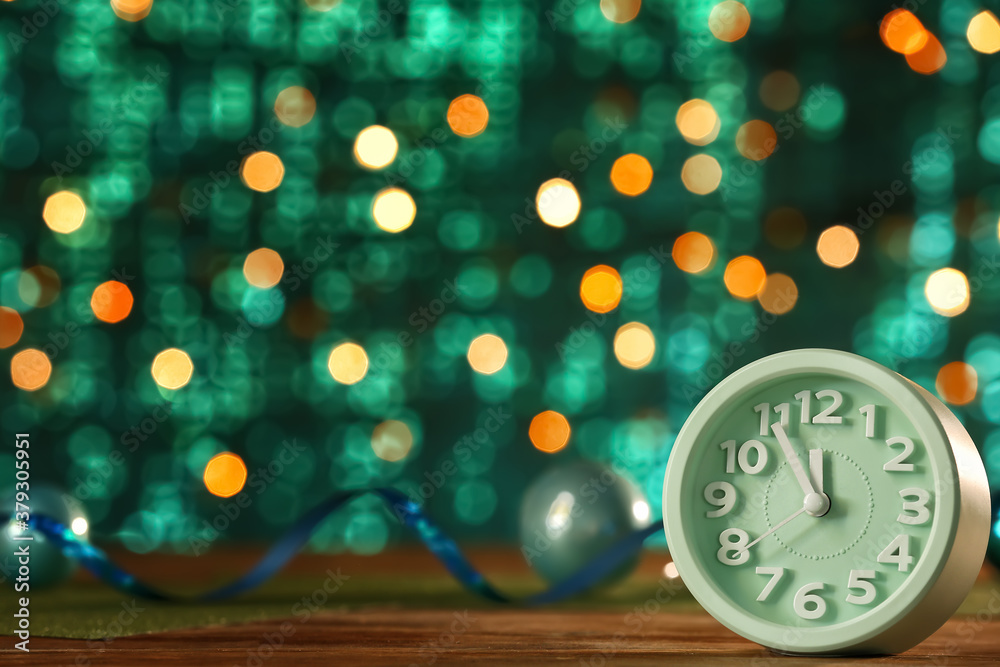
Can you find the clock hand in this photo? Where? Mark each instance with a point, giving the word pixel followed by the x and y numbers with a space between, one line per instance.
pixel 793 459
pixel 780 524
pixel 816 468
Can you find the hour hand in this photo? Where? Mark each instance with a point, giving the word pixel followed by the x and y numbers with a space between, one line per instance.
pixel 816 468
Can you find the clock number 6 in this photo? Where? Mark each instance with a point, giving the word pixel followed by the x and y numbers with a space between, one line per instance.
pixel 806 596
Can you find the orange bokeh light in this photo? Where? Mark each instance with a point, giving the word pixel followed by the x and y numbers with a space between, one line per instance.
pixel 957 383
pixel 111 301
pixel 295 106
pixel 631 174
pixel 549 431
pixel 693 252
pixel 468 115
pixel 928 59
pixel 225 475
pixel 745 277
pixel 903 32
pixel 11 327
pixel 30 369
pixel 756 140
pixel 729 20
pixel 601 289
pixel 262 171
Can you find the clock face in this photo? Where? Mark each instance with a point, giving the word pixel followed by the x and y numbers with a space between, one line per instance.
pixel 816 503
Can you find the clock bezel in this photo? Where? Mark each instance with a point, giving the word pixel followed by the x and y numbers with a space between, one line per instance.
pixel 928 596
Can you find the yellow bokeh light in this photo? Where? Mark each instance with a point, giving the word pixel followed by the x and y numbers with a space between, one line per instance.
pixel 903 32
pixel 225 475
pixel 111 301
pixel 957 383
pixel 984 32
pixel 729 20
pixel 172 368
pixel 779 90
pixel 487 354
pixel 348 363
pixel 837 246
pixel 394 210
pixel 392 440
pixel 601 289
pixel 756 140
pixel 295 106
pixel 698 122
pixel 549 431
pixel 263 268
pixel 744 277
pixel 631 174
pixel 11 327
pixel 635 345
pixel 947 291
pixel 30 369
pixel 131 10
pixel 262 171
pixel 375 147
pixel 693 252
pixel 64 212
pixel 558 202
pixel 468 116
pixel 620 11
pixel 701 174
pixel 779 294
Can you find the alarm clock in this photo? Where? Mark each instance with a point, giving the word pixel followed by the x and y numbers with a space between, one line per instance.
pixel 817 502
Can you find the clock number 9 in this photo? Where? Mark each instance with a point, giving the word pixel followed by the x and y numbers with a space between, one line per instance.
pixel 743 457
pixel 724 503
pixel 738 545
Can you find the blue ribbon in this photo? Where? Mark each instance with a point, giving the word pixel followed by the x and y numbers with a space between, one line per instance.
pixel 408 512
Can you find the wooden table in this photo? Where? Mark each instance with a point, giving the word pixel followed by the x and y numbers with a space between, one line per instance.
pixel 399 608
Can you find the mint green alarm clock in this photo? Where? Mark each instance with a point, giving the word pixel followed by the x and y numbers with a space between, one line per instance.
pixel 816 502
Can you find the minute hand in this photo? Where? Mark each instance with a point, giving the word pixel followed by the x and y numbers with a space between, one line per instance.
pixel 793 459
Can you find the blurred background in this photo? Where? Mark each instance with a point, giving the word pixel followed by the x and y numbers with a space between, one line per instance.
pixel 264 250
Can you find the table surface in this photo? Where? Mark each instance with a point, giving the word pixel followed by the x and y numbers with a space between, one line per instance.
pixel 401 608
